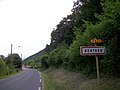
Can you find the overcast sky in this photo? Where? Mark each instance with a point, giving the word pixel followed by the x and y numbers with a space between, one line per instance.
pixel 29 23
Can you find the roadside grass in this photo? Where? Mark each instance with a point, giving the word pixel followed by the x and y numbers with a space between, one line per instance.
pixel 48 83
pixel 9 75
pixel 60 79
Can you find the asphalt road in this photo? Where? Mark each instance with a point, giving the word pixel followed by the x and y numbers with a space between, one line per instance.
pixel 27 80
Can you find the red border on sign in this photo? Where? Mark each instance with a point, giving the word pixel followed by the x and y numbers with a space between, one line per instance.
pixel 91 54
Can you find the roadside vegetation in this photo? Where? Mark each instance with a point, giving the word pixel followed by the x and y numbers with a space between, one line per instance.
pixel 89 19
pixel 10 65
pixel 49 83
pixel 61 79
pixel 9 75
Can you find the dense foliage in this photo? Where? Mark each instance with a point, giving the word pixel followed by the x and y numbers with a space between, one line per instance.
pixel 10 64
pixel 89 19
pixel 3 68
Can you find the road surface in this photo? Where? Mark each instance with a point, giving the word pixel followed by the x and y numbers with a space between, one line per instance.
pixel 27 80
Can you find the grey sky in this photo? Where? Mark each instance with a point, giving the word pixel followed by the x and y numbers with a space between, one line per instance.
pixel 29 23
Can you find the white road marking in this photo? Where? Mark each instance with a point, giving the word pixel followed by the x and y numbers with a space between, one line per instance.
pixel 40 80
pixel 39 88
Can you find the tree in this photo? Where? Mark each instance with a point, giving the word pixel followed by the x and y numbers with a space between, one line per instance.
pixel 4 69
pixel 57 56
pixel 108 29
pixel 44 59
pixel 14 60
pixel 31 63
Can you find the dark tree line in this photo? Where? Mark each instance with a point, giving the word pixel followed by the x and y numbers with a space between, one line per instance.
pixel 82 10
pixel 89 19
pixel 10 64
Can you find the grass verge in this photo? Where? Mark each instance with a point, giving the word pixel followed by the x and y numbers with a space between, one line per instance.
pixel 49 83
pixel 9 75
pixel 60 79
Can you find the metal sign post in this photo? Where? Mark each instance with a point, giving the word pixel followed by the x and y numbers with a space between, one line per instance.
pixel 94 50
pixel 98 76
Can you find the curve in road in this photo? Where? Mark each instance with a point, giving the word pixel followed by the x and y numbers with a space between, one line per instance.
pixel 27 80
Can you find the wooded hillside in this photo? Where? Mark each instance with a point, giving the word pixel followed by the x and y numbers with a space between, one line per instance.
pixel 89 19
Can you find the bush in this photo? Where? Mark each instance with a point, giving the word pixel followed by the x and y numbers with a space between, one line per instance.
pixel 4 69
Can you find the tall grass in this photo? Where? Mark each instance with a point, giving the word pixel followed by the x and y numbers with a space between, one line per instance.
pixel 49 83
pixel 60 79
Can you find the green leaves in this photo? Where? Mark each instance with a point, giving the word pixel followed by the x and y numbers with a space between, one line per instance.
pixel 14 61
pixel 90 19
pixel 3 68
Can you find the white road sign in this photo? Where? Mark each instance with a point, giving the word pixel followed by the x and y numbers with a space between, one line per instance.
pixel 92 50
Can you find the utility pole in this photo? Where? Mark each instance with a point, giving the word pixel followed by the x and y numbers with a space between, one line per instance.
pixel 11 49
pixel 11 56
pixel 21 56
